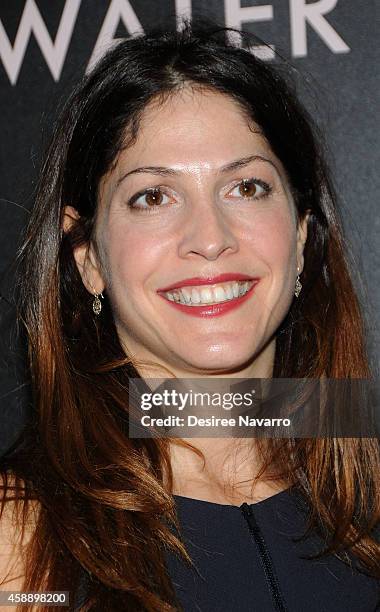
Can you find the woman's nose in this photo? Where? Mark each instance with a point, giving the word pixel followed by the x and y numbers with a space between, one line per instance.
pixel 207 232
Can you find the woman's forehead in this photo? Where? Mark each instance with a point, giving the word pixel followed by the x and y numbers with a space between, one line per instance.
pixel 202 131
pixel 190 114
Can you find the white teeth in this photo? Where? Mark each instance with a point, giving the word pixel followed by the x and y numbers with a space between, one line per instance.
pixel 195 297
pixel 210 294
pixel 187 295
pixel 207 296
pixel 220 295
pixel 229 292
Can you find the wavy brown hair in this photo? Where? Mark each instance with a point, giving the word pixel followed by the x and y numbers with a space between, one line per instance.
pixel 103 503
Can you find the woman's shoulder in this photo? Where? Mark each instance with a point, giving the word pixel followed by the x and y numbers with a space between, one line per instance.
pixel 13 538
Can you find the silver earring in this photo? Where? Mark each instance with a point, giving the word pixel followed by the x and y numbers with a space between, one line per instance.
pixel 298 287
pixel 96 304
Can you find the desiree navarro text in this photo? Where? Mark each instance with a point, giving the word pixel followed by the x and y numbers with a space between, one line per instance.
pixel 195 421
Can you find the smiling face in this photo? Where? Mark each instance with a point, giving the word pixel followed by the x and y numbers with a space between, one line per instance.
pixel 203 216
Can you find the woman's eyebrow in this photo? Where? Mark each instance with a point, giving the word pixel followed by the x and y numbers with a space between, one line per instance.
pixel 164 171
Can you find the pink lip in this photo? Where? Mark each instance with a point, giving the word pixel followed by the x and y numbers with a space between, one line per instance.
pixel 207 310
pixel 210 280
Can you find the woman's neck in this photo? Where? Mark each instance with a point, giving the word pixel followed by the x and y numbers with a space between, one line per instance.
pixel 228 476
pixel 231 464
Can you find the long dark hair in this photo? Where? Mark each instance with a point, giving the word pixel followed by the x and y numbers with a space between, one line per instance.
pixel 104 506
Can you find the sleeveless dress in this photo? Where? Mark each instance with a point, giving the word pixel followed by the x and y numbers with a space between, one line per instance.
pixel 250 558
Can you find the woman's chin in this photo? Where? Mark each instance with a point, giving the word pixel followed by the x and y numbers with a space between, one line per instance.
pixel 216 361
pixel 252 356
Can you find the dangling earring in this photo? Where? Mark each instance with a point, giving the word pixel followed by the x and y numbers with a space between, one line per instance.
pixel 298 286
pixel 96 304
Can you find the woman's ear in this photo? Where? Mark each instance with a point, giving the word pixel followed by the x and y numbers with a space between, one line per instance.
pixel 301 238
pixel 70 217
pixel 85 256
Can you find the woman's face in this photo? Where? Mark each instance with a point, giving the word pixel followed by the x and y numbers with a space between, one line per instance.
pixel 222 206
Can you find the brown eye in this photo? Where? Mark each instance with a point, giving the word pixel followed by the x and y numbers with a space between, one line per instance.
pixel 153 198
pixel 251 189
pixel 149 200
pixel 248 189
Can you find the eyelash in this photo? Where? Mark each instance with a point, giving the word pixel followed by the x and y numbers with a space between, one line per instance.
pixel 267 191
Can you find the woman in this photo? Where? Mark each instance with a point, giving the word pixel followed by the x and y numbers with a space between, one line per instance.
pixel 183 175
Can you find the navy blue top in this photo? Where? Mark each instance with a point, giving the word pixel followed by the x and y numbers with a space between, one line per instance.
pixel 246 560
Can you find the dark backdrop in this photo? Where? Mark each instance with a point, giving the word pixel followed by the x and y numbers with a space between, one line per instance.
pixel 45 45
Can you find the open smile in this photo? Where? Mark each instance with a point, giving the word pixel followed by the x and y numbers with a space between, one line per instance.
pixel 210 300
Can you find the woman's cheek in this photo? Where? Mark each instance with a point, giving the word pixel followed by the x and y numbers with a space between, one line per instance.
pixel 274 240
pixel 131 260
